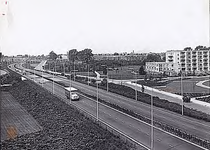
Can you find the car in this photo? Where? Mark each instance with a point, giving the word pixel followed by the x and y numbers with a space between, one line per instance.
pixel 72 92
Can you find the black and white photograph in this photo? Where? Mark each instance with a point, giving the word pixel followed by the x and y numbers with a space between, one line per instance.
pixel 105 74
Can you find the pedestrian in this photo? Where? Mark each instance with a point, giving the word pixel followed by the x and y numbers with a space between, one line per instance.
pixel 142 88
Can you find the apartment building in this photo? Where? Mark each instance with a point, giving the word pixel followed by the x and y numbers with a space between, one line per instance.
pixel 168 68
pixel 188 61
pixel 195 61
pixel 126 57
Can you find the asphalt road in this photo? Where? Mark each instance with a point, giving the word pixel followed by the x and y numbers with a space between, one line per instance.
pixel 135 128
pixel 132 127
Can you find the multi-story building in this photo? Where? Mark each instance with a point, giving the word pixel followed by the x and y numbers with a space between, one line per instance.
pixel 187 61
pixel 168 68
pixel 123 56
pixel 195 61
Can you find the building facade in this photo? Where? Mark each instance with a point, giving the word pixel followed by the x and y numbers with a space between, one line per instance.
pixel 168 68
pixel 186 61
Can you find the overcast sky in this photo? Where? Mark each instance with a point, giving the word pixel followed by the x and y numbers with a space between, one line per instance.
pixel 106 26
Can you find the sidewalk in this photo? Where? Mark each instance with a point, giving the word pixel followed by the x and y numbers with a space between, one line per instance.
pixel 195 104
pixel 40 65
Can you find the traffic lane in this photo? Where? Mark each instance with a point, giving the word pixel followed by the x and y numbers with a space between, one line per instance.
pixel 173 119
pixel 190 125
pixel 134 128
pixel 125 124
pixel 201 128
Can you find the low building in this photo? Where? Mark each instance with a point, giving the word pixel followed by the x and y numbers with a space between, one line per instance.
pixel 168 68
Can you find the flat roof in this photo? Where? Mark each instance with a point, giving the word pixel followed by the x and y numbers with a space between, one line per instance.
pixel 72 89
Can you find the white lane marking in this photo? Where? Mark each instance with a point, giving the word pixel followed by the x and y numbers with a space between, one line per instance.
pixel 154 126
pixel 159 109
pixel 150 125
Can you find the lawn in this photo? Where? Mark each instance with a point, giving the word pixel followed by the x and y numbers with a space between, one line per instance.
pixel 189 86
pixel 124 73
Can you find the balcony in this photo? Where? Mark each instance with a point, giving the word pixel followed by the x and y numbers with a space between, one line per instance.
pixel 182 65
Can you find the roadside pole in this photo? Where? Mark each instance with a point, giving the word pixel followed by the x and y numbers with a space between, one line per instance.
pixel 70 81
pixel 97 102
pixel 136 89
pixel 152 125
pixel 107 79
pixel 64 69
pixel 74 71
pixel 88 74
pixel 53 80
pixel 42 77
pixel 34 74
pixel 182 95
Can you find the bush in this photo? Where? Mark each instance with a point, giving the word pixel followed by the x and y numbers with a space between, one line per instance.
pixel 186 99
pixel 63 126
pixel 93 81
pixel 104 82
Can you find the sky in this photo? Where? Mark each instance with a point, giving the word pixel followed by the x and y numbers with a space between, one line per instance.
pixel 36 27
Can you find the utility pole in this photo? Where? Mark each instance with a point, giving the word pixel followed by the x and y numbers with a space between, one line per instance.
pixel 107 79
pixel 152 125
pixel 97 103
pixel 42 77
pixel 70 81
pixel 88 74
pixel 182 95
pixel 53 80
pixel 136 89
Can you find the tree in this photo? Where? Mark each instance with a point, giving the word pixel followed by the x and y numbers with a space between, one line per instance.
pixel 199 47
pixel 104 70
pixel 72 55
pixel 187 49
pixel 142 71
pixel 86 55
pixel 153 58
pixel 53 55
pixel 116 53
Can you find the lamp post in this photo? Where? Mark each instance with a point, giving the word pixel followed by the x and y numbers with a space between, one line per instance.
pixel 152 125
pixel 107 84
pixel 70 81
pixel 88 74
pixel 34 74
pixel 42 76
pixel 97 103
pixel 182 95
pixel 53 80
pixel 64 68
pixel 136 88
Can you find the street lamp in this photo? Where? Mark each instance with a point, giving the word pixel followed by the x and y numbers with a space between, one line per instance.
pixel 42 76
pixel 107 78
pixel 152 125
pixel 70 81
pixel 88 74
pixel 136 88
pixel 182 95
pixel 64 68
pixel 97 103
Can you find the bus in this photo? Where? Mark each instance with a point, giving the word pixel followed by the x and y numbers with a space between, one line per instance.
pixel 74 93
